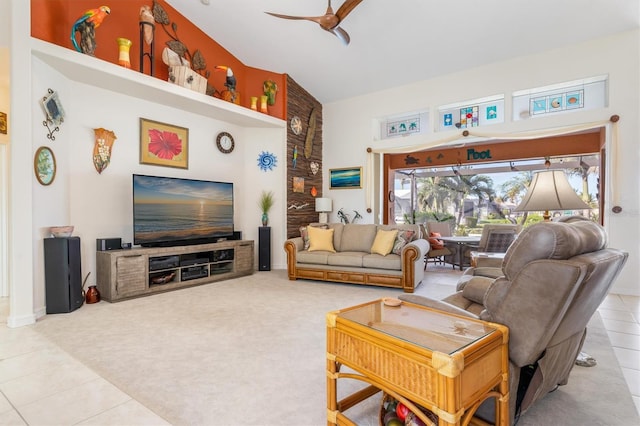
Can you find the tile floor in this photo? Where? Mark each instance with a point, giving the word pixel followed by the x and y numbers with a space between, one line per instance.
pixel 40 384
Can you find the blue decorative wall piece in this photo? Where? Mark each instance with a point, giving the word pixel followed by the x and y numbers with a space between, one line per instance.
pixel 267 161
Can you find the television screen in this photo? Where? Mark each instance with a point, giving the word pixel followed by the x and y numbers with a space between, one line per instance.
pixel 174 211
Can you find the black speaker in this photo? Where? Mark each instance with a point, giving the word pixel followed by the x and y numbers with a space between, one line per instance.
pixel 62 274
pixel 264 248
pixel 237 235
pixel 103 244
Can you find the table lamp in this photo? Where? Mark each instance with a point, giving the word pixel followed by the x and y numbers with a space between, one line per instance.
pixel 323 206
pixel 550 190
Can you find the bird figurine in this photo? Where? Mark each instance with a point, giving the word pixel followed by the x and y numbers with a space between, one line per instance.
pixel 295 156
pixel 230 82
pixel 86 26
pixel 147 17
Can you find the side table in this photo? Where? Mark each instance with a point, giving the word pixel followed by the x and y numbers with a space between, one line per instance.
pixel 446 363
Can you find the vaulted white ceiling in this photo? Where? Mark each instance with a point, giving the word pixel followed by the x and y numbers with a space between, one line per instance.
pixel 396 42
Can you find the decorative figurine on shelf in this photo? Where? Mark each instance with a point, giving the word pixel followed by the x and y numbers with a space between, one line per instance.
pixel 356 216
pixel 270 88
pixel 104 140
pixel 86 25
pixel 147 17
pixel 193 75
pixel 147 32
pixel 230 83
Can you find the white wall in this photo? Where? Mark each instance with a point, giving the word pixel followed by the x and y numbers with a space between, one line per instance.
pixel 100 205
pixel 349 125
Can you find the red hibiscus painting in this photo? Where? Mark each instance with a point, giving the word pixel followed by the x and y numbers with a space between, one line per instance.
pixel 163 144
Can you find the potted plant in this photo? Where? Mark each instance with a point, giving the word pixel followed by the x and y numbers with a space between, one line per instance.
pixel 265 203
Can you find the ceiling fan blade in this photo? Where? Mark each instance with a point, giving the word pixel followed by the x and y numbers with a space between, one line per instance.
pixel 341 34
pixel 315 19
pixel 346 8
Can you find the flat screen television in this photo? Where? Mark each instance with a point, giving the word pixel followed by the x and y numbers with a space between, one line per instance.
pixel 173 211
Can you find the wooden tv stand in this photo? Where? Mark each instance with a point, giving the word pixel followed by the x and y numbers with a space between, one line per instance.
pixel 123 274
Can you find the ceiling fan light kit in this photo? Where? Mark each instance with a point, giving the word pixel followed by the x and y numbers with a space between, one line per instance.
pixel 329 21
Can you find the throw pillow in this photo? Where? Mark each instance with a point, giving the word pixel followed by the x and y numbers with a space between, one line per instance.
pixel 305 235
pixel 402 239
pixel 383 244
pixel 320 239
pixel 435 243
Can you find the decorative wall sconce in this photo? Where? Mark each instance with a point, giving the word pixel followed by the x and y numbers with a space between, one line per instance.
pixel 104 140
pixel 54 112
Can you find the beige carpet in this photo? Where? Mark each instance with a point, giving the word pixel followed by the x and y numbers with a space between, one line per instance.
pixel 251 351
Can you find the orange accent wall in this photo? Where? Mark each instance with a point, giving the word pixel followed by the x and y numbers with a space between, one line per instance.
pixel 52 20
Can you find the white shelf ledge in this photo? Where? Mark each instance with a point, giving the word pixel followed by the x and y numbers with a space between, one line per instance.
pixel 96 72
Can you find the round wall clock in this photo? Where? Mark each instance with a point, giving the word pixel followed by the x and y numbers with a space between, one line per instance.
pixel 225 142
pixel 296 125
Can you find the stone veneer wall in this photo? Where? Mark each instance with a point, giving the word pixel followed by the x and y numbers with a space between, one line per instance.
pixel 300 103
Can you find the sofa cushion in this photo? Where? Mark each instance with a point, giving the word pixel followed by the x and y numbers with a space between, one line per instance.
pixel 305 234
pixel 358 237
pixel 435 242
pixel 404 237
pixel 384 241
pixel 314 257
pixel 320 239
pixel 390 261
pixel 346 258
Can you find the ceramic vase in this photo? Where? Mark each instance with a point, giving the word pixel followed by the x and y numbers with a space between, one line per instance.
pixel 263 104
pixel 124 45
pixel 254 103
pixel 265 219
pixel 93 295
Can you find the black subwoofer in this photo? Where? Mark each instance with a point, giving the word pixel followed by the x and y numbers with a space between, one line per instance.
pixel 264 248
pixel 62 274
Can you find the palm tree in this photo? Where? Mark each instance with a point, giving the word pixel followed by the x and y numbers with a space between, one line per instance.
pixel 431 195
pixel 583 172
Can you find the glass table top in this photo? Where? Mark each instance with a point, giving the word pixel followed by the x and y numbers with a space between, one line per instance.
pixel 436 331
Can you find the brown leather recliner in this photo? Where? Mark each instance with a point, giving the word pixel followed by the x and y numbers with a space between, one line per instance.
pixel 555 275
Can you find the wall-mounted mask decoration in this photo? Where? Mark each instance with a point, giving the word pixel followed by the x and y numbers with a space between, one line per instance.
pixel 314 167
pixel 104 140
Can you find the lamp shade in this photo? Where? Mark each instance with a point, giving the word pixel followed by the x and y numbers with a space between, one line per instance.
pixel 550 190
pixel 323 205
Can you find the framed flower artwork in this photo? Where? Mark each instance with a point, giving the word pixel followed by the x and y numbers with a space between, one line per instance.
pixel 164 144
pixel 44 165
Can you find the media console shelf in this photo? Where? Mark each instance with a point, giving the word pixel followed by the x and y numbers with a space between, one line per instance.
pixel 123 274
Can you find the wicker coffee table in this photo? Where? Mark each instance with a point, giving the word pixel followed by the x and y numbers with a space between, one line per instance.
pixel 446 363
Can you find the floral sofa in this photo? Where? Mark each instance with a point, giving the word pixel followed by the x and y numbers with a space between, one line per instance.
pixel 368 254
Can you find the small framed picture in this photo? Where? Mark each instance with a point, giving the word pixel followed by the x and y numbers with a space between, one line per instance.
pixel 347 178
pixel 44 165
pixel 53 108
pixel 298 184
pixel 164 144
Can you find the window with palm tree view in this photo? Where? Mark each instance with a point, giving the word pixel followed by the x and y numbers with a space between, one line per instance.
pixel 470 196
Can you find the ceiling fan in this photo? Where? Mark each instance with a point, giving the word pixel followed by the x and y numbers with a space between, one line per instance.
pixel 329 21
